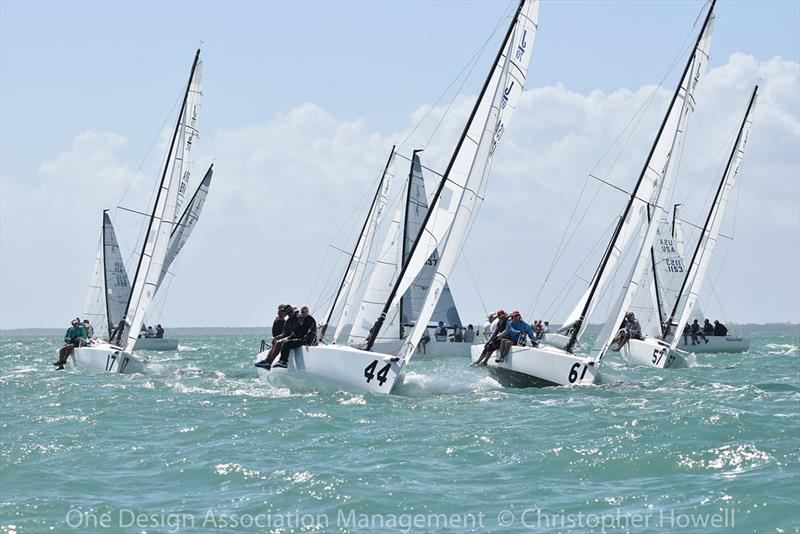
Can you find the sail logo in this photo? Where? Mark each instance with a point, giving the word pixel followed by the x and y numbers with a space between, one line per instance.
pixel 522 46
pixel 506 93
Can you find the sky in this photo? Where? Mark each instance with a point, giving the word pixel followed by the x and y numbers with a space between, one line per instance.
pixel 301 104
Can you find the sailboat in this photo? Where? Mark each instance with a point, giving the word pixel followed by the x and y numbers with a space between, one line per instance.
pixel 109 287
pixel 443 228
pixel 554 361
pixel 116 353
pixel 663 325
pixel 395 250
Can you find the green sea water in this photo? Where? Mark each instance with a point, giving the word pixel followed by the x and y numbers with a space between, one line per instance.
pixel 202 443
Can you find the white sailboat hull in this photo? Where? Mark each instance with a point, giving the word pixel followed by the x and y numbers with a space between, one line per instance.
pixel 558 341
pixel 105 358
pixel 434 349
pixel 716 344
pixel 652 353
pixel 540 366
pixel 155 343
pixel 343 366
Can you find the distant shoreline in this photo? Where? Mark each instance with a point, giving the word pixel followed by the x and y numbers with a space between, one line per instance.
pixel 264 330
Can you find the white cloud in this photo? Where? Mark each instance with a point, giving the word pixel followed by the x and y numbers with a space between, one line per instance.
pixel 282 189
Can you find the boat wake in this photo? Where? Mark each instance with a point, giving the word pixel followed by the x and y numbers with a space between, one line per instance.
pixel 464 381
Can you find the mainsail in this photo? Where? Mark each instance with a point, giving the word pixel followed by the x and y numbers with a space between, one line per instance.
pixel 160 226
pixel 453 206
pixel 109 289
pixel 411 303
pixel 185 156
pixel 354 273
pixel 654 173
pixel 708 238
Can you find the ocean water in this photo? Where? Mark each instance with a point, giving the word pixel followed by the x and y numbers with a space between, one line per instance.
pixel 202 443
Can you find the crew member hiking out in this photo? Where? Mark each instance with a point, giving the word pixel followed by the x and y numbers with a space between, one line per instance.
pixel 74 337
pixel 303 333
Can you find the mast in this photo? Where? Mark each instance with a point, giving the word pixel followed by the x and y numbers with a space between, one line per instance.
pixel 674 216
pixel 595 283
pixel 358 242
pixel 105 279
pixel 375 330
pixel 405 230
pixel 160 188
pixel 712 212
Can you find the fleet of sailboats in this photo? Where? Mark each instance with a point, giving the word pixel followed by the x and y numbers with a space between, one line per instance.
pixel 389 297
pixel 444 227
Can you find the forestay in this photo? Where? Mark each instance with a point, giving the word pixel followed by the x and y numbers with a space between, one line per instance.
pixel 162 221
pixel 466 173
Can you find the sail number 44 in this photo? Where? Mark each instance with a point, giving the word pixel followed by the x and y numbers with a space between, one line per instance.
pixel 369 372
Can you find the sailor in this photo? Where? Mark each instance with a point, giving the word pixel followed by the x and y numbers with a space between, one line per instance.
pixel 487 326
pixel 708 328
pixel 441 332
pixel 151 332
pixel 497 331
pixel 537 329
pixel 697 332
pixel 88 328
pixel 516 329
pixel 304 333
pixel 458 333
pixel 545 328
pixel 75 337
pixel 423 342
pixel 282 326
pixel 469 334
pixel 622 333
pixel 719 329
pixel 159 331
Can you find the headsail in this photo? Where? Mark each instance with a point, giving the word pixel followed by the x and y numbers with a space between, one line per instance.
pixel 159 229
pixel 185 225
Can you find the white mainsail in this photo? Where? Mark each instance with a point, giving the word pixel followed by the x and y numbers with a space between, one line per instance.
pixel 412 302
pixel 94 308
pixel 465 161
pixel 667 144
pixel 190 130
pixel 467 171
pixel 702 257
pixel 354 276
pixel 379 286
pixel 185 225
pixel 162 221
